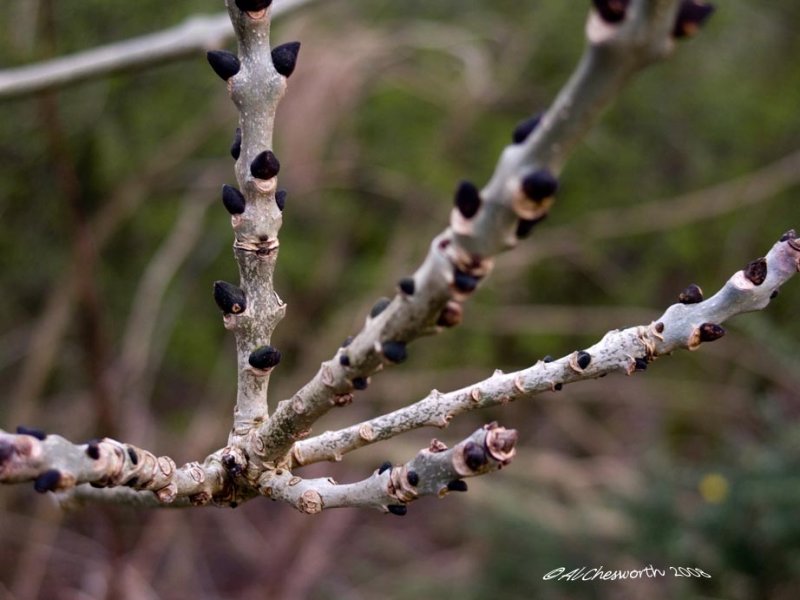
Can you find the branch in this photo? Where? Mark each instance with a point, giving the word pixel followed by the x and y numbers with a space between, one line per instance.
pixel 483 223
pixel 432 472
pixel 682 326
pixel 194 35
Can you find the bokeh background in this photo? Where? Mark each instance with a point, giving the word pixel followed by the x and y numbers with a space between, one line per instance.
pixel 111 232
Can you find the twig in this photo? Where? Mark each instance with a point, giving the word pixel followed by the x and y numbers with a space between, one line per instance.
pixel 682 326
pixel 196 34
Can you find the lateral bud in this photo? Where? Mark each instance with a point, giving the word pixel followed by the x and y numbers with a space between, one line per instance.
pixel 265 166
pixel 264 358
pixel 233 200
pixel 691 295
pixel 37 433
pixel 224 63
pixel 467 199
pixel 692 15
pixel 525 226
pixel 451 315
pixel 236 145
pixel 252 5
pixel 230 298
pixel 47 481
pixel 394 351
pixel 525 128
pixel 280 199
pixel 284 58
pixel 611 11
pixel 756 271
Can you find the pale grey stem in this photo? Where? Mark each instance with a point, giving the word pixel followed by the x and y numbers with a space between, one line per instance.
pixel 613 54
pixel 682 326
pixel 54 464
pixel 196 34
pixel 430 473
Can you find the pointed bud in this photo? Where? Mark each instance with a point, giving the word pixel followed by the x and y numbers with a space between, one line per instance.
pixel 692 15
pixel 539 185
pixel 691 295
pixel 230 298
pixel 611 11
pixel 756 271
pixel 710 332
pixel 468 199
pixel 224 63
pixel 265 165
pixel 457 485
pixel 525 128
pixel 280 199
pixel 37 433
pixel 525 226
pixel 394 351
pixel 407 286
pixel 265 357
pixel 384 467
pixel 236 146
pixel 379 307
pixel 464 282
pixel 252 5
pixel 397 509
pixel 233 200
pixel 47 481
pixel 284 57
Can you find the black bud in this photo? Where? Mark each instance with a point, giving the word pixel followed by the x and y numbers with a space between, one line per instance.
pixel 413 478
pixel 230 299
pixel 583 359
pixel 394 351
pixel 265 166
pixel 344 360
pixel 525 128
pixel 233 504
pixel 641 364
pixel 284 57
pixel 37 433
pixel 464 282
pixel 710 332
pixel 692 15
pixel 224 63
pixel 468 199
pixel 236 146
pixel 280 199
pixel 660 327
pixel 474 456
pixel 252 5
pixel 407 286
pixel 548 359
pixel 384 467
pixel 756 271
pixel 265 357
pixel 691 295
pixel 233 200
pixel 539 185
pixel 379 307
pixel 398 509
pixel 360 383
pixel 93 449
pixel 525 226
pixel 611 11
pixel 47 481
pixel 133 456
pixel 348 340
pixel 132 482
pixel 457 485
pixel 774 294
pixel 558 387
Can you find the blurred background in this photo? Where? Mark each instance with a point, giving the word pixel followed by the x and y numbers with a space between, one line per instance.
pixel 111 233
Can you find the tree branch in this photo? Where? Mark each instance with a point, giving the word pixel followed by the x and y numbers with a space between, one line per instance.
pixel 682 326
pixel 482 224
pixel 196 34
